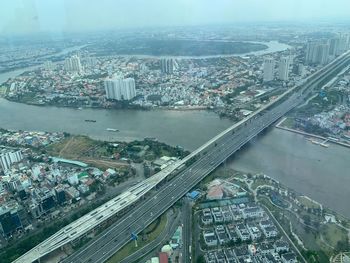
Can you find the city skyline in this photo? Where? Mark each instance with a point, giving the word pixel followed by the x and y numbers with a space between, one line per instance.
pixel 27 17
pixel 174 131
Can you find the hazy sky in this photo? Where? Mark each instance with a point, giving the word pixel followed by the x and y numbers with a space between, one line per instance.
pixel 26 16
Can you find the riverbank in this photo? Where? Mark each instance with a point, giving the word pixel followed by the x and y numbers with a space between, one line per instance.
pixel 119 106
pixel 279 125
pixel 188 129
pixel 316 231
pixel 288 157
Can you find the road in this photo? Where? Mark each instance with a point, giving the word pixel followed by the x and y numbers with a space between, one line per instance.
pixel 167 233
pixel 186 230
pixel 146 211
pixel 284 233
pixel 148 204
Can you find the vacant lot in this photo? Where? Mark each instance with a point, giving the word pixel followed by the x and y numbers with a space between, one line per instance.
pixel 84 149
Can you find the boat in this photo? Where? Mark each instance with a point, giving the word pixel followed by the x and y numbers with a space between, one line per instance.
pixel 90 120
pixel 112 130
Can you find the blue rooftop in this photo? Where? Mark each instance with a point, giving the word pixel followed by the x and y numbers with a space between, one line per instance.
pixel 193 194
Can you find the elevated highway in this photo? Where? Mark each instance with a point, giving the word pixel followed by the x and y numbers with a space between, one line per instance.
pixel 205 159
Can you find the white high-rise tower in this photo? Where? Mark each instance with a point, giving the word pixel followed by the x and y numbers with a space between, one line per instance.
pixel 269 69
pixel 73 64
pixel 283 68
pixel 120 89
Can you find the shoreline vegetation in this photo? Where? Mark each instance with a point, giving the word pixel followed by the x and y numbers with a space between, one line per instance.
pixel 281 125
pixel 317 231
pixel 95 153
pixel 126 106
pixel 176 47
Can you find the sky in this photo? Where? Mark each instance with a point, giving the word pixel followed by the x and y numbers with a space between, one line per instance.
pixel 33 16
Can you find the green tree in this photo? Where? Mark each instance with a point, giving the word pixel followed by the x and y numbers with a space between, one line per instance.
pixel 342 245
pixel 200 259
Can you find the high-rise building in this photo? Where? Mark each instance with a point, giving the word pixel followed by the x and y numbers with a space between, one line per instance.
pixel 323 54
pixel 269 69
pixel 68 64
pixel 343 43
pixel 120 89
pixel 334 46
pixel 91 62
pixel 48 65
pixel 73 64
pixel 317 53
pixel 283 68
pixel 301 70
pixel 167 65
pixel 311 52
pixel 8 157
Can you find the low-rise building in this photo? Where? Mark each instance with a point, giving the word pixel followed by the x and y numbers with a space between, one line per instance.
pixel 281 246
pixel 217 214
pixel 265 248
pixel 210 257
pixel 241 251
pixel 221 234
pixel 242 232
pixel 226 214
pixel 220 256
pixel 252 212
pixel 231 231
pixel 230 256
pixel 207 218
pixel 253 231
pixel 210 238
pixel 289 258
pixel 270 232
pixel 271 258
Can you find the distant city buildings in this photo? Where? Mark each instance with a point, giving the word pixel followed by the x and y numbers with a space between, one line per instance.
pixel 48 65
pixel 120 89
pixel 91 62
pixel 73 64
pixel 344 41
pixel 317 53
pixel 8 157
pixel 283 68
pixel 338 45
pixel 334 47
pixel 167 65
pixel 269 69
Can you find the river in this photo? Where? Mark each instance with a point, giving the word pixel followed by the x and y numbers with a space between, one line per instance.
pixel 186 128
pixel 273 46
pixel 6 75
pixel 321 173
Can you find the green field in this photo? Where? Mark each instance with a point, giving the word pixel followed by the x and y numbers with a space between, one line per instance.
pixel 307 202
pixel 288 123
pixel 72 146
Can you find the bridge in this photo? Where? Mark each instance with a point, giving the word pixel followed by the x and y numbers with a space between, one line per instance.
pixel 174 181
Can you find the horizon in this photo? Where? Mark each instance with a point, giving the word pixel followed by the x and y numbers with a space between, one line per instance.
pixel 63 17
